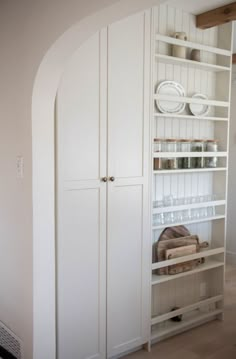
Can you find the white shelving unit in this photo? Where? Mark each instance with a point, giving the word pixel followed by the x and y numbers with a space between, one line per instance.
pixel 211 77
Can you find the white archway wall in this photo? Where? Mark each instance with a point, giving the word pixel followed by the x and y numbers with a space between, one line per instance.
pixel 27 30
pixel 48 79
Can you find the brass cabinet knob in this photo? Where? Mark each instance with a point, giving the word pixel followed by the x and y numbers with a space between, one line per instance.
pixel 104 179
pixel 112 179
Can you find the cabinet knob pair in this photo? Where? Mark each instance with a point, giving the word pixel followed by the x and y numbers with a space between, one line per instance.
pixel 105 179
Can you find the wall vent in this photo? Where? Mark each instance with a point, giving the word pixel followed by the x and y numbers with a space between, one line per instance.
pixel 10 342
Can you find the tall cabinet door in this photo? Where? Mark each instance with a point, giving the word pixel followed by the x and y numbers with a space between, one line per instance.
pixel 81 119
pixel 128 201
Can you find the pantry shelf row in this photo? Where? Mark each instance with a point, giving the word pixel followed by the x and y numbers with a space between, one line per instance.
pixel 209 264
pixel 190 117
pixel 192 319
pixel 189 154
pixel 188 220
pixel 188 206
pixel 163 171
pixel 166 59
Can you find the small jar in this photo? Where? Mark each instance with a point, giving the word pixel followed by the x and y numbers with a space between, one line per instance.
pixel 171 163
pixel 158 145
pixel 171 145
pixel 184 146
pixel 197 146
pixel 211 146
pixel 158 164
pixel 211 162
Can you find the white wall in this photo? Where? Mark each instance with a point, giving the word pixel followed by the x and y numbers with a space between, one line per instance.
pixel 27 30
pixel 231 229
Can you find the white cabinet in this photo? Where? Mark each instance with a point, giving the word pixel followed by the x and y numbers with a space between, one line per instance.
pixel 103 228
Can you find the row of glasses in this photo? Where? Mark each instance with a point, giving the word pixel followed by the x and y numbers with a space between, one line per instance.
pixel 169 201
pixel 184 215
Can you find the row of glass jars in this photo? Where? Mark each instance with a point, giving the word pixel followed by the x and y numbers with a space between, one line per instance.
pixel 185 145
pixel 185 163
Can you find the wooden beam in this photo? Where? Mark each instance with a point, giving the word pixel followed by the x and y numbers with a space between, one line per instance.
pixel 234 58
pixel 216 17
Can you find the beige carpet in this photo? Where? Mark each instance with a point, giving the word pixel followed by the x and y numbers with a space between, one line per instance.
pixel 215 340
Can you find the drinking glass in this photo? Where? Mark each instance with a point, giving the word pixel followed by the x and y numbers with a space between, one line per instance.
pixel 203 212
pixel 168 201
pixel 169 217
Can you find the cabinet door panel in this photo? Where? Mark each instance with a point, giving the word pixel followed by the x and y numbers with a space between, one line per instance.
pixel 125 96
pixel 80 110
pixel 81 204
pixel 128 200
pixel 125 241
pixel 81 275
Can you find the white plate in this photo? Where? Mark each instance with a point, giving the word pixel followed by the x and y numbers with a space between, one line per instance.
pixel 170 88
pixel 199 109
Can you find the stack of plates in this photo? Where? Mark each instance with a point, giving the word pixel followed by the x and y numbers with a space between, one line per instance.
pixel 174 89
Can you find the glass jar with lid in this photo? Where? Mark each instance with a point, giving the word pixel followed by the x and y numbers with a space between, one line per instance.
pixel 158 145
pixel 184 146
pixel 211 146
pixel 171 145
pixel 198 146
pixel 158 164
pixel 171 163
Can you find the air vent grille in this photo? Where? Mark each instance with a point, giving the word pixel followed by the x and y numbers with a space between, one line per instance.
pixel 10 342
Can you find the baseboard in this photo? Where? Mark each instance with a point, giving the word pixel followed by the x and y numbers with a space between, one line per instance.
pixel 230 257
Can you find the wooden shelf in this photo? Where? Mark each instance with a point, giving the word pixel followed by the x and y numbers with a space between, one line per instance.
pixel 190 63
pixel 191 170
pixel 190 117
pixel 209 264
pixel 193 45
pixel 189 154
pixel 200 220
pixel 190 320
pixel 201 254
pixel 193 100
pixel 189 308
pixel 157 210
